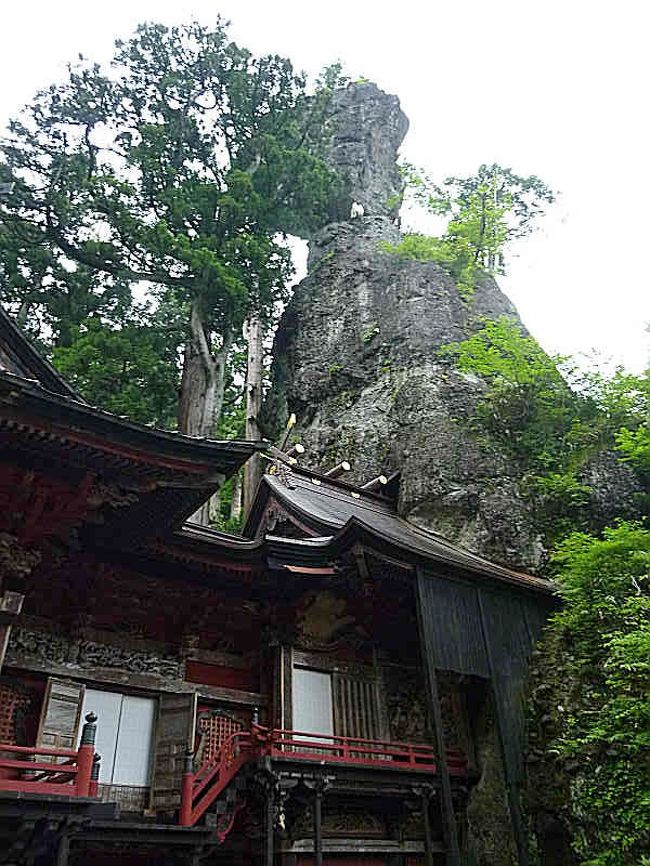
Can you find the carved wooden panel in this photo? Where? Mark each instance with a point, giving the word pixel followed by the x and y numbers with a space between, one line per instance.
pixel 32 645
pixel 174 738
pixel 61 714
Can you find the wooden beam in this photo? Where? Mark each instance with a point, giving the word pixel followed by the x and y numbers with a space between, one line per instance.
pixel 318 826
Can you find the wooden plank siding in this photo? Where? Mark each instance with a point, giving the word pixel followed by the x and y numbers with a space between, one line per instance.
pixel 490 633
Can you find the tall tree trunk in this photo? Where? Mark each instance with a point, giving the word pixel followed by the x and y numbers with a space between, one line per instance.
pixel 198 380
pixel 254 374
pixel 202 386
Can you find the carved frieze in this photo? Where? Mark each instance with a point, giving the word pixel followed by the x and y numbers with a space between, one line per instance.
pixel 136 661
pixel 46 647
pixel 340 823
pixel 16 561
pixel 40 646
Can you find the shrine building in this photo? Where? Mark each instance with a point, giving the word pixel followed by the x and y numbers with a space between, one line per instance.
pixel 335 687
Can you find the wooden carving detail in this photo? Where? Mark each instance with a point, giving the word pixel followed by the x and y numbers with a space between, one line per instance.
pixel 39 646
pixel 455 720
pixel 136 661
pixel 16 561
pixel 45 647
pixel 406 702
pixel 325 622
pixel 277 520
pixel 340 823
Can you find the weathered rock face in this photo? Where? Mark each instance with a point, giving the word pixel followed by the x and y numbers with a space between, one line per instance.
pixel 367 127
pixel 357 355
pixel 357 361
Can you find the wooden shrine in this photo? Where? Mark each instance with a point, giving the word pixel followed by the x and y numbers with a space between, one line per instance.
pixel 336 686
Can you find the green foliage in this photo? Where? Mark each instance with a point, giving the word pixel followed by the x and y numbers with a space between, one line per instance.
pixel 368 334
pixel 129 371
pixel 635 446
pixel 485 212
pixel 550 416
pixel 178 168
pixel 597 696
pixel 490 209
pixel 528 406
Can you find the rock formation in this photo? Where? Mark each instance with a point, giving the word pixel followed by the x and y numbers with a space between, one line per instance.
pixel 357 354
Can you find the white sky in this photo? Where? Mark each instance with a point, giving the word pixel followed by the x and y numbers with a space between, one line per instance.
pixel 557 89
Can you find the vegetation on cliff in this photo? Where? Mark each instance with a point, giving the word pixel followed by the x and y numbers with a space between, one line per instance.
pixel 590 703
pixel 485 213
pixel 554 418
pixel 590 725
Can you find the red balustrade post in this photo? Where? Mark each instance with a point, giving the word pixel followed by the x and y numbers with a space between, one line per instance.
pixel 85 755
pixel 94 776
pixel 187 785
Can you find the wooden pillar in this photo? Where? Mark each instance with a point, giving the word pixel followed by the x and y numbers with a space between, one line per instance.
pixel 426 817
pixel 269 822
pixel 63 850
pixel 10 606
pixel 318 826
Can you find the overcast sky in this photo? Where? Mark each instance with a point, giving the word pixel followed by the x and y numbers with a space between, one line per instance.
pixel 557 89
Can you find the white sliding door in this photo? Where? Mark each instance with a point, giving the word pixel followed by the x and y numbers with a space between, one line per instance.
pixel 133 749
pixel 124 736
pixel 106 706
pixel 312 702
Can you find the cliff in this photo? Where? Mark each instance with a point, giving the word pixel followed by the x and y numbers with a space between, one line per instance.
pixel 356 355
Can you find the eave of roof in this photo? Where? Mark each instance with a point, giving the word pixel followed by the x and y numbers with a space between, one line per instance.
pixel 331 509
pixel 78 422
pixel 29 360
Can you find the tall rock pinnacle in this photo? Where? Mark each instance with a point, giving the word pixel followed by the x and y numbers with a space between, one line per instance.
pixel 357 355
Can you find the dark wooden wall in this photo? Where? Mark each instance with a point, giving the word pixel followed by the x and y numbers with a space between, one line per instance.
pixel 488 632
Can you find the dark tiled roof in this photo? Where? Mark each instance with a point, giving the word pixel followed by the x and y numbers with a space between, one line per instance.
pixel 331 508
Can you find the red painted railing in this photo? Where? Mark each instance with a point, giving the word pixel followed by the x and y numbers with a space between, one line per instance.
pixel 38 770
pixel 350 750
pixel 202 788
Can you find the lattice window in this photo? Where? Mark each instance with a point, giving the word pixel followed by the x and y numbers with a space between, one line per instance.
pixel 214 729
pixel 13 703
